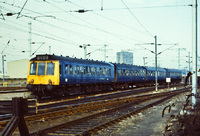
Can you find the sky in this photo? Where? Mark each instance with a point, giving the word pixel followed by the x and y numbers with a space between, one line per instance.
pixel 56 26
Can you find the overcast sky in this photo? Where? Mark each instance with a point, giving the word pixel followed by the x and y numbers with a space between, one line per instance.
pixel 128 25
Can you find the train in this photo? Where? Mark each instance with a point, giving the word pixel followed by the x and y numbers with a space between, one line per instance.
pixel 53 75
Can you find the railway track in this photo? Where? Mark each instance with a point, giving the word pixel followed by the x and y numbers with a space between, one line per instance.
pixel 14 91
pixel 66 108
pixel 97 96
pixel 136 89
pixel 12 88
pixel 93 123
pixel 18 89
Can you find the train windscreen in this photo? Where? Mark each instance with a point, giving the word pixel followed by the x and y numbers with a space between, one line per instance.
pixel 41 68
pixel 50 68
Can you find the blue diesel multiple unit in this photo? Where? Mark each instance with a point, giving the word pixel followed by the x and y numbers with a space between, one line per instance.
pixel 50 75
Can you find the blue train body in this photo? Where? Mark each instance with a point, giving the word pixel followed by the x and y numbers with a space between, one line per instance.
pixel 78 71
pixel 50 74
pixel 130 73
pixel 174 74
pixel 150 72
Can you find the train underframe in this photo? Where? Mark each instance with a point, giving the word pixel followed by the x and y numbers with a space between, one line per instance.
pixel 49 90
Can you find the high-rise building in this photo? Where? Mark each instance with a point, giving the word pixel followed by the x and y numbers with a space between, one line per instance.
pixel 125 57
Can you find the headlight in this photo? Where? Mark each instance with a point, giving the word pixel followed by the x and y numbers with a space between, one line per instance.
pixel 32 80
pixel 50 82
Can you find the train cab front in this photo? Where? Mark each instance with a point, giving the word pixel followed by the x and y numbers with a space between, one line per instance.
pixel 42 77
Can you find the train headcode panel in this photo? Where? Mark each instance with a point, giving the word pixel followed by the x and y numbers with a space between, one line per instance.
pixel 42 57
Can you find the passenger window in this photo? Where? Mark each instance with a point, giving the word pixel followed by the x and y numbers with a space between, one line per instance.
pixel 127 72
pixel 89 70
pixel 81 69
pixel 95 70
pixel 70 70
pixel 104 71
pixel 33 68
pixel 131 73
pixel 50 68
pixel 100 70
pixel 134 73
pixel 77 69
pixel 86 70
pixel 66 69
pixel 123 72
pixel 41 69
pixel 118 72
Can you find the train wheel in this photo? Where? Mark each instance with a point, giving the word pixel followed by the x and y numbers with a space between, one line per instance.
pixel 126 86
pixel 38 96
pixel 96 88
pixel 90 89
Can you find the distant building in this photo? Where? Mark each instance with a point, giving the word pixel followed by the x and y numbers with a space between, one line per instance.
pixel 17 68
pixel 125 57
pixel 16 73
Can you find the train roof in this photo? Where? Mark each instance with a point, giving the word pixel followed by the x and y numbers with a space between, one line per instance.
pixel 45 57
pixel 128 66
pixel 153 69
pixel 173 70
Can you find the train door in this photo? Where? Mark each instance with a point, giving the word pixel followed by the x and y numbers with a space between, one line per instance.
pixel 94 74
pixel 76 74
pixel 145 70
pixel 81 74
pixel 88 76
pixel 61 73
pixel 115 73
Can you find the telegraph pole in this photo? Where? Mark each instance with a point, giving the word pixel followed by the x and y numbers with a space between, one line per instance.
pixel 189 64
pixel 179 58
pixel 4 59
pixel 3 66
pixel 156 54
pixel 156 73
pixel 30 38
pixel 194 54
pixel 105 52
pixel 189 60
pixel 144 60
pixel 179 50
pixel 49 49
pixel 84 46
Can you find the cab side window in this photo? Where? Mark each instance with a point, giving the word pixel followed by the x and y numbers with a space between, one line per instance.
pixel 33 68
